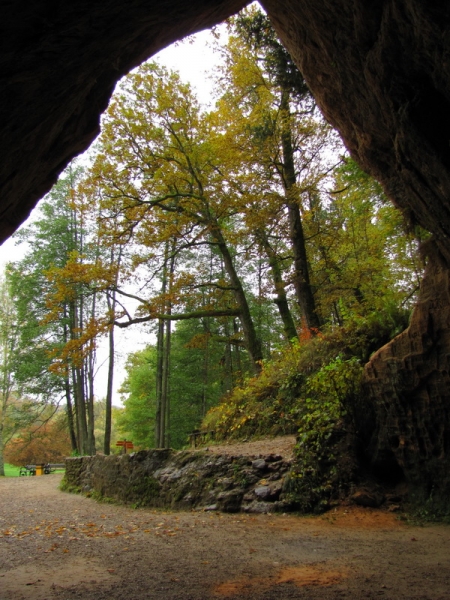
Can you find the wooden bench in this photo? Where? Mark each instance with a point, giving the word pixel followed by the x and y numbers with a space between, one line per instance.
pixel 53 467
pixel 198 436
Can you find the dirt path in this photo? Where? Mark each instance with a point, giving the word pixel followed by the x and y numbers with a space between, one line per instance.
pixel 282 445
pixel 58 545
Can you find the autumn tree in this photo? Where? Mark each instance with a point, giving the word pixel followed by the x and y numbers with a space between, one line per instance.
pixel 159 157
pixel 284 148
pixel 44 441
pixel 57 287
pixel 102 270
pixel 364 257
pixel 289 85
pixel 16 410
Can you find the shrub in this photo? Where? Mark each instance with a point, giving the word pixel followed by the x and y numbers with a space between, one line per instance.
pixel 323 467
pixel 271 404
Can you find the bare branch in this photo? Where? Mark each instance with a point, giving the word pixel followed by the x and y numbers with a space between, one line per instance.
pixel 198 314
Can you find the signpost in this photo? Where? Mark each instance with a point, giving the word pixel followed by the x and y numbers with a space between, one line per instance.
pixel 125 444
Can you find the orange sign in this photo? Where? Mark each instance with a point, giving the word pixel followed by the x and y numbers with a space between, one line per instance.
pixel 125 444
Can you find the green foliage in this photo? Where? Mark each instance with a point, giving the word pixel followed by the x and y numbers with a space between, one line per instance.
pixel 324 370
pixel 50 239
pixel 329 390
pixel 71 489
pixel 136 421
pixel 195 379
pixel 195 386
pixel 427 511
pixel 255 28
pixel 364 260
pixel 318 472
pixel 16 410
pixel 99 497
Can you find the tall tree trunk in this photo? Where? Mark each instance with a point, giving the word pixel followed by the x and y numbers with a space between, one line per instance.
pixel 78 387
pixel 90 402
pixel 90 396
pixel 67 386
pixel 163 353
pixel 302 285
pixel 110 382
pixel 80 409
pixel 159 381
pixel 70 417
pixel 228 379
pixel 76 310
pixel 2 444
pixel 5 396
pixel 205 323
pixel 290 331
pixel 205 371
pixel 165 408
pixel 236 351
pixel 111 300
pixel 252 341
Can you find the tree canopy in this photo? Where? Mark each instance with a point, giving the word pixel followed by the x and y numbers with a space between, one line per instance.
pixel 230 232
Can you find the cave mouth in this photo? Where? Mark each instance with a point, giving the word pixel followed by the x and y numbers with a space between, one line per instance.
pixel 389 100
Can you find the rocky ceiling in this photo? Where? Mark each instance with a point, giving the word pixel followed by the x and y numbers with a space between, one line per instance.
pixel 379 70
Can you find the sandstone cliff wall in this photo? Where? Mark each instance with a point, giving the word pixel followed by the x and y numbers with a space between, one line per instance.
pixel 407 386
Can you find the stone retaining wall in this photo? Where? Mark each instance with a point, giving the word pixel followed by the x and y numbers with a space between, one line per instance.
pixel 184 480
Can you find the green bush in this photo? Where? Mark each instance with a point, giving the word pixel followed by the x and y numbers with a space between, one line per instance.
pixel 322 469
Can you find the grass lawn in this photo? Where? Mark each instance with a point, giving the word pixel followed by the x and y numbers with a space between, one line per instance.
pixel 11 471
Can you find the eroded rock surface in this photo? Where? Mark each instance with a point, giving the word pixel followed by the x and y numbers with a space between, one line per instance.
pixel 407 383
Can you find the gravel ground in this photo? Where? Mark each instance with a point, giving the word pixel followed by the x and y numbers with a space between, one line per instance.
pixel 55 545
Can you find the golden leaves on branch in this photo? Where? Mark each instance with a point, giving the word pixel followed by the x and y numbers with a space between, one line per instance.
pixel 77 279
